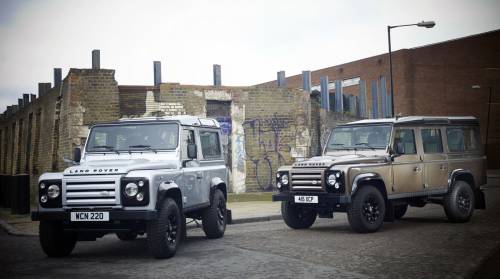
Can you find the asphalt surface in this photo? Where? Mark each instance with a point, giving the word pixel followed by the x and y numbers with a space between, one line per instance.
pixel 421 245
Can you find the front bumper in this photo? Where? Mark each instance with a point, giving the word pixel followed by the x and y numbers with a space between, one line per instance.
pixel 115 214
pixel 328 200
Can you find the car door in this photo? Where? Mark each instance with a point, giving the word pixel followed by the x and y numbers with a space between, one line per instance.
pixel 190 181
pixel 435 159
pixel 407 167
pixel 212 163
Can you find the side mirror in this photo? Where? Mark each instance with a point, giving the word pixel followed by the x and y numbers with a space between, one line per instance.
pixel 399 148
pixel 77 154
pixel 191 150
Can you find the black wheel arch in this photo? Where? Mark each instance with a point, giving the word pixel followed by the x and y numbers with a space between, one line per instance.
pixel 173 192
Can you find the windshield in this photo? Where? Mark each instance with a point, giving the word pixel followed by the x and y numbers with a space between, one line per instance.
pixel 133 137
pixel 359 137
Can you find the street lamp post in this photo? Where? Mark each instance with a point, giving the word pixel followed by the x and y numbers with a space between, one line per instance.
pixel 490 88
pixel 426 24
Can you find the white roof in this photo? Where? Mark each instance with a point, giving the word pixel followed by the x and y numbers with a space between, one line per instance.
pixel 187 120
pixel 407 119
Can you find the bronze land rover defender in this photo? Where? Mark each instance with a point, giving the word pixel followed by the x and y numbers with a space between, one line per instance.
pixel 373 169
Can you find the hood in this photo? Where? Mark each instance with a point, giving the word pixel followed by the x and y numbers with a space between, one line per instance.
pixel 119 166
pixel 344 159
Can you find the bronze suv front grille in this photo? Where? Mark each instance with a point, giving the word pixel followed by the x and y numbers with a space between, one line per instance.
pixel 307 179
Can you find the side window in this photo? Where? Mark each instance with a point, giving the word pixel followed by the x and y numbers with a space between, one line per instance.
pixel 462 139
pixel 407 138
pixel 187 138
pixel 210 146
pixel 431 139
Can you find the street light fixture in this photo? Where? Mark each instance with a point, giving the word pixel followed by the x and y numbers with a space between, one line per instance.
pixel 426 24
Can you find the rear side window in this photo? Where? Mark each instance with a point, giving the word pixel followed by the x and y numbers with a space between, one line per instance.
pixel 462 139
pixel 431 139
pixel 210 145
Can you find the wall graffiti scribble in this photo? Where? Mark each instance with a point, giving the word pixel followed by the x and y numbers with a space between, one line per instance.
pixel 272 136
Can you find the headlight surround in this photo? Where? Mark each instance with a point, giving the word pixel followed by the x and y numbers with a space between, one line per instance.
pixel 49 193
pixel 282 180
pixel 335 181
pixel 135 191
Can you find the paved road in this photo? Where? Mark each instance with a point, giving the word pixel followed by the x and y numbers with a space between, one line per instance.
pixel 422 245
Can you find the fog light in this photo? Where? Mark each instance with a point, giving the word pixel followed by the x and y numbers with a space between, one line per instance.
pixel 131 189
pixel 141 183
pixel 43 199
pixel 42 186
pixel 140 197
pixel 278 185
pixel 53 191
pixel 337 186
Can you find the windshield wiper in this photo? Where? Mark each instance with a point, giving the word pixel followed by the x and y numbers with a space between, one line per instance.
pixel 365 144
pixel 107 147
pixel 144 146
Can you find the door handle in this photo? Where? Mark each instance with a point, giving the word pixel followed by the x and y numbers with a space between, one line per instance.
pixel 417 169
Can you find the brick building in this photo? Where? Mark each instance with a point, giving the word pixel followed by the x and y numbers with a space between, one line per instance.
pixel 448 78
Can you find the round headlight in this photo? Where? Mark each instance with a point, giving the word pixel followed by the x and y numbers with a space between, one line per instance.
pixel 43 199
pixel 131 189
pixel 284 179
pixel 139 197
pixel 331 179
pixel 53 191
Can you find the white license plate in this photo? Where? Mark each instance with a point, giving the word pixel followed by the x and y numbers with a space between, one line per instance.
pixel 306 199
pixel 87 216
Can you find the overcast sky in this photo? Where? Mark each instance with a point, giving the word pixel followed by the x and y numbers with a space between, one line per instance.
pixel 252 40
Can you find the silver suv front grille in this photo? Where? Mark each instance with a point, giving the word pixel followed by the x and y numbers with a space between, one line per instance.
pixel 307 179
pixel 91 192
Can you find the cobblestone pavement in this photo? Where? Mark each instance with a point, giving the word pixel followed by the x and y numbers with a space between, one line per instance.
pixel 421 245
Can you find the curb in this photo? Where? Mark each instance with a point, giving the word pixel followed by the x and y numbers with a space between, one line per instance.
pixel 11 230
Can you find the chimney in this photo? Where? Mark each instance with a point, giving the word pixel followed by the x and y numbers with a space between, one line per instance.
pixel 43 88
pixel 57 77
pixel 20 103
pixel 96 59
pixel 306 81
pixel 32 98
pixel 26 99
pixel 281 79
pixel 325 94
pixel 157 72
pixel 217 75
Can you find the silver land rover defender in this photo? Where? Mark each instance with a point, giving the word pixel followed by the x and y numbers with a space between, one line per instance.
pixel 374 169
pixel 134 177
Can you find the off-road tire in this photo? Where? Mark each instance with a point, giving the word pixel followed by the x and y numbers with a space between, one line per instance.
pixel 367 210
pixel 459 202
pixel 400 211
pixel 54 240
pixel 214 218
pixel 296 217
pixel 164 233
pixel 126 236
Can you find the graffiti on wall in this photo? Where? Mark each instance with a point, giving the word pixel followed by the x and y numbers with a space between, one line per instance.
pixel 271 147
